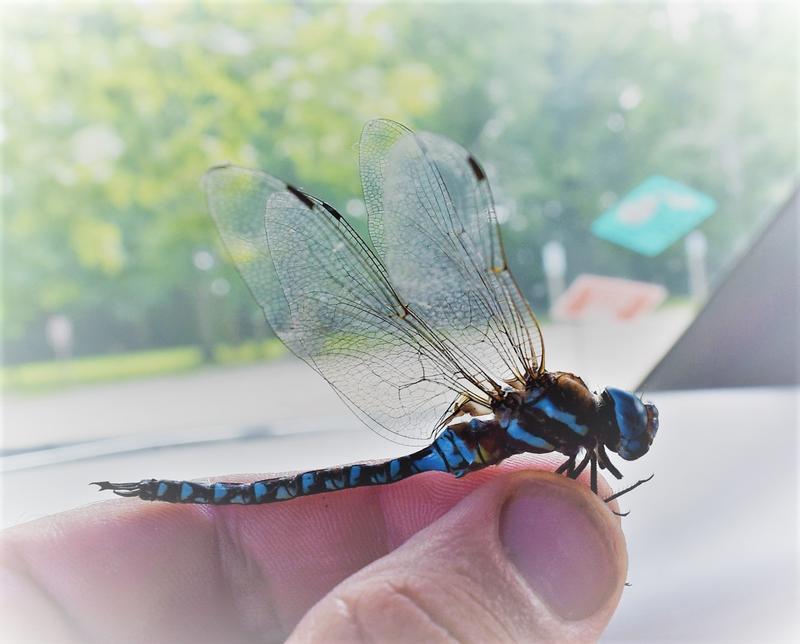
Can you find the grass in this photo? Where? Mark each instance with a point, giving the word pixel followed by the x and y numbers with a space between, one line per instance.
pixel 44 376
pixel 252 351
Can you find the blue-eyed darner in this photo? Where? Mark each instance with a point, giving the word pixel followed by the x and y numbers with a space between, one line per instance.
pixel 424 334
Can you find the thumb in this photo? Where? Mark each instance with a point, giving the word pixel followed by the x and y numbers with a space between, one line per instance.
pixel 528 556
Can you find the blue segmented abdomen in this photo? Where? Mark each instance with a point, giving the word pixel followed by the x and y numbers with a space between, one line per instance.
pixel 449 453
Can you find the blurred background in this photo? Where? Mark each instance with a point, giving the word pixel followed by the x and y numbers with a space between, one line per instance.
pixel 131 347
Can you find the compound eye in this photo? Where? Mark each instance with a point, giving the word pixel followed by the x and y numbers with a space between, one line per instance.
pixel 633 421
pixel 652 419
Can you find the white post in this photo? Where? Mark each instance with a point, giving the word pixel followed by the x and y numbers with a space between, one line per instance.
pixel 59 333
pixel 554 260
pixel 696 248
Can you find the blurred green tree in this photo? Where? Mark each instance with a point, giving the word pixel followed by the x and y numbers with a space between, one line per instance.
pixel 112 113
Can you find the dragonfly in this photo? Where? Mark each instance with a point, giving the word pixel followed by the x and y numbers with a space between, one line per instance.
pixel 423 332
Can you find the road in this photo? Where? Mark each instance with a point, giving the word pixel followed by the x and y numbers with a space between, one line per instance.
pixel 286 390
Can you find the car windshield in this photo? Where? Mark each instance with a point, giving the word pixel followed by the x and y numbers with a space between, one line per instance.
pixel 634 151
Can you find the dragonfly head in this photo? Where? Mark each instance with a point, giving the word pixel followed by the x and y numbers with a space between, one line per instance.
pixel 634 424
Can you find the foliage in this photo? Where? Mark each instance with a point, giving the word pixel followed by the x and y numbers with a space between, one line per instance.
pixel 39 376
pixel 112 113
pixel 43 376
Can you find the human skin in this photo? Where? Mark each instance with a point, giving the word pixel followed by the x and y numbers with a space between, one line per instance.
pixel 513 553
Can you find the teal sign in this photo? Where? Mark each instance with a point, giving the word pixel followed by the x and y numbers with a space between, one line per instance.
pixel 654 215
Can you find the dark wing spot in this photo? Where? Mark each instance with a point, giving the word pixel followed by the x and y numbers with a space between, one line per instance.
pixel 220 166
pixel 331 210
pixel 304 198
pixel 477 170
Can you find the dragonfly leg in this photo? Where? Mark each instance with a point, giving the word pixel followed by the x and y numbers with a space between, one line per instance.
pixel 566 466
pixel 596 460
pixel 630 488
pixel 605 462
pixel 576 472
pixel 466 406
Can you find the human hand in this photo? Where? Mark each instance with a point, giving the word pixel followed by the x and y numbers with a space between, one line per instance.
pixel 508 554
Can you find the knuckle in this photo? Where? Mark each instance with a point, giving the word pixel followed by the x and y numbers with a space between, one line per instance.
pixel 420 608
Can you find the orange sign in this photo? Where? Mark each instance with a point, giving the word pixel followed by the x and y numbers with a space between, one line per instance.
pixel 597 296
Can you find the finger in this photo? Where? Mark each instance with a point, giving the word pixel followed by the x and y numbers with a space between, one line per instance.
pixel 216 572
pixel 527 557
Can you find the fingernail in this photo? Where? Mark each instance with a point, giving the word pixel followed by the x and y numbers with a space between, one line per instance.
pixel 561 547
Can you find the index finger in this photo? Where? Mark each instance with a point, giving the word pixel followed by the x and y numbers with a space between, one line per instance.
pixel 139 571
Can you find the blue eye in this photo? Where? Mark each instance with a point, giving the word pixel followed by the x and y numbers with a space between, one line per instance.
pixel 636 421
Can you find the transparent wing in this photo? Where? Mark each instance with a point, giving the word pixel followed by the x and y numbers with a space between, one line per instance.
pixel 327 296
pixel 433 223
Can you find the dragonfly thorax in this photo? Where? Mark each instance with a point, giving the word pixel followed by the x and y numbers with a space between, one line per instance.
pixel 558 412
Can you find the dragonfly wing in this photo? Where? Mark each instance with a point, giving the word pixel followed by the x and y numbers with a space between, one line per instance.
pixel 432 221
pixel 237 199
pixel 327 296
pixel 471 195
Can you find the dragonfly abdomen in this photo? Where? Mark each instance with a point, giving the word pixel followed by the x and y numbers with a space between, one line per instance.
pixel 451 452
pixel 270 490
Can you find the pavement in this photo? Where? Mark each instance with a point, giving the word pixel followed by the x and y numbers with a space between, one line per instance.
pixel 287 390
